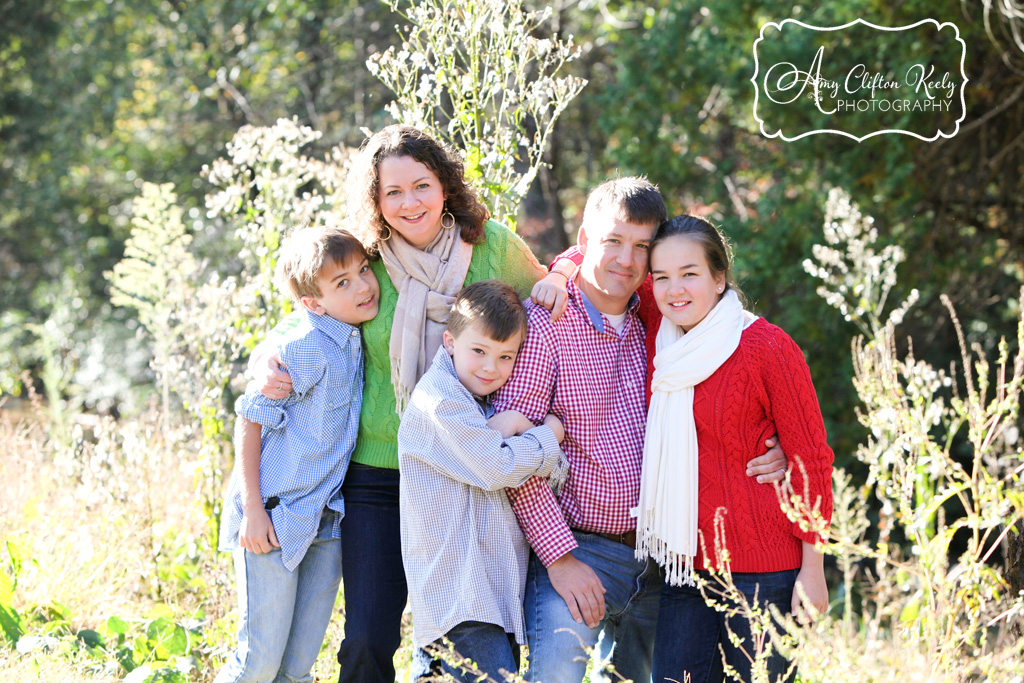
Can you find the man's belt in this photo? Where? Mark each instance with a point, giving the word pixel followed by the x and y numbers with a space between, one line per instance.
pixel 625 538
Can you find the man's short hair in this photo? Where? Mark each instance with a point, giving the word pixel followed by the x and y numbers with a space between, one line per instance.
pixel 304 253
pixel 634 200
pixel 492 304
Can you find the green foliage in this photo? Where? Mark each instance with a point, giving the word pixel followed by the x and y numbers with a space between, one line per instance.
pixel 157 263
pixel 473 73
pixel 157 648
pixel 10 620
pixel 96 96
pixel 860 293
pixel 156 274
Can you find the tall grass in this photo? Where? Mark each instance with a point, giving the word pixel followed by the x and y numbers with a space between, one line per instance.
pixel 111 566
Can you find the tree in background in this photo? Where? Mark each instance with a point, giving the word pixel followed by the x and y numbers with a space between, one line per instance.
pixel 96 96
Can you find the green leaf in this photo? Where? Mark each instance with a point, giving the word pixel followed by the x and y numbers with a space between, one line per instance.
pixel 91 638
pixel 58 612
pixel 10 621
pixel 910 611
pixel 167 675
pixel 160 610
pixel 116 626
pixel 167 639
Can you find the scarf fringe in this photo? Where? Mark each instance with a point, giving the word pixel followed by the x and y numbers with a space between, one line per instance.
pixel 402 394
pixel 668 512
pixel 678 568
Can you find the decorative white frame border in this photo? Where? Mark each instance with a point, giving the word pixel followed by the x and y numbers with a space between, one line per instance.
pixel 778 26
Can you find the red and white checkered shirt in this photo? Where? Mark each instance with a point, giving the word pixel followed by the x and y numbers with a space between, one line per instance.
pixel 591 377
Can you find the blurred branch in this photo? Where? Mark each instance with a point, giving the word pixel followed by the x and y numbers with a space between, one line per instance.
pixel 995 111
pixel 1011 16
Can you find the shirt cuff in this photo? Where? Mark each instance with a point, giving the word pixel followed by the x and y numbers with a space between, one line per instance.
pixel 261 410
pixel 554 544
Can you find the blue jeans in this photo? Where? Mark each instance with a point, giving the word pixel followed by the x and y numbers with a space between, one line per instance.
pixel 692 636
pixel 283 615
pixel 487 645
pixel 375 589
pixel 559 646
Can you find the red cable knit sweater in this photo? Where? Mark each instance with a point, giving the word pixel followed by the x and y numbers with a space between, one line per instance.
pixel 764 388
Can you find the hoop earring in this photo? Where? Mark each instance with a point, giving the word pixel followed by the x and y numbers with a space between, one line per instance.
pixel 447 215
pixel 385 239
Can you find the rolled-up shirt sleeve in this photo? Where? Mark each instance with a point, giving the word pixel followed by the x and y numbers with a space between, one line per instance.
pixel 269 413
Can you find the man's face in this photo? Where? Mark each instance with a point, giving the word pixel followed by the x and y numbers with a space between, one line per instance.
pixel 614 259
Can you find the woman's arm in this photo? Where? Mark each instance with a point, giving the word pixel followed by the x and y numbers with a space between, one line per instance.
pixel 269 375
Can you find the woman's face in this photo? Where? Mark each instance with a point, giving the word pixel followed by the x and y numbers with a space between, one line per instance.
pixel 411 199
pixel 685 288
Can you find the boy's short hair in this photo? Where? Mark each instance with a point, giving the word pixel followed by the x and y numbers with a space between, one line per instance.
pixel 635 199
pixel 304 253
pixel 492 304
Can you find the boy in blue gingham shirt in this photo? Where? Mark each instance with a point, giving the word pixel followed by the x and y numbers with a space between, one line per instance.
pixel 464 555
pixel 284 506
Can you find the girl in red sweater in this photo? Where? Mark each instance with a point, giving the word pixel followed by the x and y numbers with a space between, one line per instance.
pixel 724 381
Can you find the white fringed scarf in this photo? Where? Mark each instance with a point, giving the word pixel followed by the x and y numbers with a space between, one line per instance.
pixel 667 511
pixel 427 281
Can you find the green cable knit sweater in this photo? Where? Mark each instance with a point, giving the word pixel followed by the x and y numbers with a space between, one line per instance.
pixel 502 256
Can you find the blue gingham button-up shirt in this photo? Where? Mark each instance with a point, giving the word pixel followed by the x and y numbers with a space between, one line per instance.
pixel 464 555
pixel 307 437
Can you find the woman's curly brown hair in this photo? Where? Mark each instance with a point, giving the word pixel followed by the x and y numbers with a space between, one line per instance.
pixel 398 140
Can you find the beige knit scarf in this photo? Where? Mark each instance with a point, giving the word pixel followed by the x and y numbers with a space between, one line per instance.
pixel 667 511
pixel 427 281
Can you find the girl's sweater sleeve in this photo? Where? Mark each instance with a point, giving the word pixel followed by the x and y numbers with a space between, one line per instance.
pixel 793 407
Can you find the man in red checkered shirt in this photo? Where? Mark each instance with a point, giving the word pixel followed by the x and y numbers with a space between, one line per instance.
pixel 590 370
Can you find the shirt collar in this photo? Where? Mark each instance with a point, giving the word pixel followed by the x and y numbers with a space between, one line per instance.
pixel 596 318
pixel 340 332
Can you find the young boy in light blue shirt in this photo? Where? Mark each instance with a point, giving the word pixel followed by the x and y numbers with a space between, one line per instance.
pixel 284 506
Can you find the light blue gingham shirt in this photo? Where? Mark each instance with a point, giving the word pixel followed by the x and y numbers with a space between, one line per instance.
pixel 464 555
pixel 307 437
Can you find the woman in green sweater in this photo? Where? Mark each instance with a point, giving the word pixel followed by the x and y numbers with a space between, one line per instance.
pixel 413 208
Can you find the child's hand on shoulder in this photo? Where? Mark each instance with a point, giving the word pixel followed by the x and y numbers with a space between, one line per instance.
pixel 556 426
pixel 510 423
pixel 257 532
